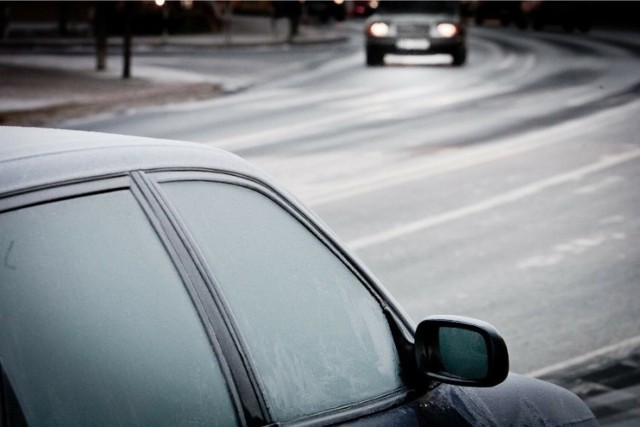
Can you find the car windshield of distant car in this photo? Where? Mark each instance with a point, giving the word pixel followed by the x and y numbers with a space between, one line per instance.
pixel 432 7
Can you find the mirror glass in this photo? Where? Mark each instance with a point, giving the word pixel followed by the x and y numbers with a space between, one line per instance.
pixel 463 353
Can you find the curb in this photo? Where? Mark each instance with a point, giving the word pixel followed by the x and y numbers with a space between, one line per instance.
pixel 144 97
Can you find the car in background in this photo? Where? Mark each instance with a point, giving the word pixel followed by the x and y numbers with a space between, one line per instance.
pixel 415 28
pixel 152 282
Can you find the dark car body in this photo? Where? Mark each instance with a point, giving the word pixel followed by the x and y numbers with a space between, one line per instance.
pixel 153 282
pixel 416 28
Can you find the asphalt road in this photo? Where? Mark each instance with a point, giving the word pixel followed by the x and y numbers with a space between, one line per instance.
pixel 504 190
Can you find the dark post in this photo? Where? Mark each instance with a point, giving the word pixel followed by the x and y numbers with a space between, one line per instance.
pixel 165 21
pixel 128 18
pixel 100 31
pixel 63 18
pixel 293 10
pixel 4 19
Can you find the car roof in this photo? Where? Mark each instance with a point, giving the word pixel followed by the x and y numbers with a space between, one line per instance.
pixel 33 157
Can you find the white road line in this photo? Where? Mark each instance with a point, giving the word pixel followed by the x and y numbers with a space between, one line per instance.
pixel 268 136
pixel 453 161
pixel 289 99
pixel 615 350
pixel 402 103
pixel 493 202
pixel 430 167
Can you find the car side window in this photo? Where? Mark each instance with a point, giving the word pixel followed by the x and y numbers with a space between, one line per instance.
pixel 317 337
pixel 96 327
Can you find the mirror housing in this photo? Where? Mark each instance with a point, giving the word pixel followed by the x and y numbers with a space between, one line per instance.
pixel 461 351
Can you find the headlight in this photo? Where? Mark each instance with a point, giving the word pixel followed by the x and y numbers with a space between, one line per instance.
pixel 379 29
pixel 446 29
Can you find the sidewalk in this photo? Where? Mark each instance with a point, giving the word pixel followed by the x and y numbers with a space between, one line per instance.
pixel 37 93
pixel 32 96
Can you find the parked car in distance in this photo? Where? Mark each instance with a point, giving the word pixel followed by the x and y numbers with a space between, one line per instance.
pixel 151 282
pixel 415 28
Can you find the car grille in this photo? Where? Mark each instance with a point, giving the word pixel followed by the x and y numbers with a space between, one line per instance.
pixel 413 30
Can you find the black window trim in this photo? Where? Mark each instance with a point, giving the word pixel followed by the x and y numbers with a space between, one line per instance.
pixel 252 399
pixel 403 328
pixel 254 408
pixel 351 412
pixel 196 289
pixel 131 182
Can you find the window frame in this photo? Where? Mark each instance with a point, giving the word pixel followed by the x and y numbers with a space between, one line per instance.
pixel 400 326
pixel 214 313
pixel 184 265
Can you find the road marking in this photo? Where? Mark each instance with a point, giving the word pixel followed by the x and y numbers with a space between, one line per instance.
pixel 272 135
pixel 625 346
pixel 401 103
pixel 603 184
pixel 471 156
pixel 426 169
pixel 287 99
pixel 571 248
pixel 493 202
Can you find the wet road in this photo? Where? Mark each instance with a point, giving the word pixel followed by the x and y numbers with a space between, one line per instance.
pixel 504 190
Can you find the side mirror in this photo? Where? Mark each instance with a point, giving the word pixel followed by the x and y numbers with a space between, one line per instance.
pixel 461 351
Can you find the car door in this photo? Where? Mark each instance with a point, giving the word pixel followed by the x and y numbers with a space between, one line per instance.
pixel 99 322
pixel 315 333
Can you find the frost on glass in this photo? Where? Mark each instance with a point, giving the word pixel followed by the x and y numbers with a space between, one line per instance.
pixel 317 337
pixel 96 327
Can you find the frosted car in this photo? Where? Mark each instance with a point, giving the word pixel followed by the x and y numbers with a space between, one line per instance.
pixel 150 282
pixel 415 28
